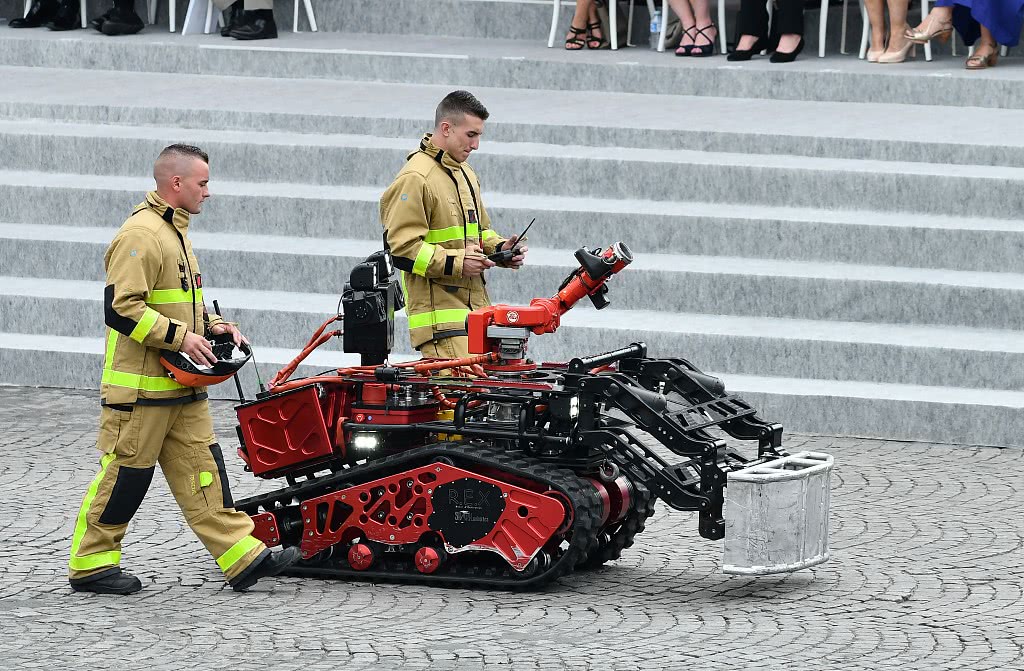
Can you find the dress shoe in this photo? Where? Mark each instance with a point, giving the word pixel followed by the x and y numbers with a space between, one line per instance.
pixel 787 56
pixel 40 13
pixel 234 18
pixel 898 55
pixel 111 581
pixel 930 29
pixel 98 22
pixel 67 16
pixel 122 21
pixel 744 54
pixel 259 25
pixel 265 566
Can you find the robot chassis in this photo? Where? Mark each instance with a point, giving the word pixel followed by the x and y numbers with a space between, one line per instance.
pixel 495 471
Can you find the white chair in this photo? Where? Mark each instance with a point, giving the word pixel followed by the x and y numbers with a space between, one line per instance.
pixel 195 8
pixel 613 18
pixel 172 19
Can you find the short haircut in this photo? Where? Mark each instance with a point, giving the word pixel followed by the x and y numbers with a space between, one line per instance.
pixel 457 105
pixel 184 151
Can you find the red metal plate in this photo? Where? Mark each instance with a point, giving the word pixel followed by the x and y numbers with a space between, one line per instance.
pixel 266 529
pixel 284 430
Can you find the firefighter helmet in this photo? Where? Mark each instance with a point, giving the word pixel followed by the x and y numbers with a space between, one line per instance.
pixel 230 359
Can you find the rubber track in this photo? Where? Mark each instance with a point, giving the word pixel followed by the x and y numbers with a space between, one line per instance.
pixel 583 540
pixel 627 530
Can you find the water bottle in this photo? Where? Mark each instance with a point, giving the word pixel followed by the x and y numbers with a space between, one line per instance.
pixel 655 28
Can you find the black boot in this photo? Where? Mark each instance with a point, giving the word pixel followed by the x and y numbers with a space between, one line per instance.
pixel 265 566
pixel 234 18
pixel 122 19
pixel 111 581
pixel 40 13
pixel 98 22
pixel 67 16
pixel 259 25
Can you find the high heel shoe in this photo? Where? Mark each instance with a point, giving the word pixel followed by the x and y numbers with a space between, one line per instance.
pixel 977 62
pixel 899 55
pixel 744 54
pixel 704 49
pixel 873 56
pixel 787 56
pixel 923 33
pixel 685 49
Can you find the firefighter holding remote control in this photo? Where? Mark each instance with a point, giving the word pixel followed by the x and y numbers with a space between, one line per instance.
pixel 439 234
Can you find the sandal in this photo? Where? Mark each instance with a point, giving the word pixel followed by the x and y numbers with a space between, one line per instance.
pixel 576 42
pixel 704 49
pixel 685 49
pixel 977 62
pixel 595 42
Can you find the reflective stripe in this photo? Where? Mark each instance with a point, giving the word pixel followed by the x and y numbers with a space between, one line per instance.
pixel 405 292
pixel 453 233
pixel 143 382
pixel 488 234
pixel 166 296
pixel 423 259
pixel 438 317
pixel 205 479
pixel 98 559
pixel 236 552
pixel 145 325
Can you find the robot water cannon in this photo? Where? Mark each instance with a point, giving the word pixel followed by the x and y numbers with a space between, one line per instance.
pixel 504 329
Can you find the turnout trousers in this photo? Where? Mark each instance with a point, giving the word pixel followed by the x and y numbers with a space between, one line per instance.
pixel 132 441
pixel 455 347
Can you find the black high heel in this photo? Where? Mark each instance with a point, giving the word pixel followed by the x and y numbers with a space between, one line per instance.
pixel 700 50
pixel 787 56
pixel 574 43
pixel 744 54
pixel 596 42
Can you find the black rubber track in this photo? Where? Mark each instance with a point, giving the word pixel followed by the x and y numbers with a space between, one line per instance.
pixel 460 571
pixel 622 537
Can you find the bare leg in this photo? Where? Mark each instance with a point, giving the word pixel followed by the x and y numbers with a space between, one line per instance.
pixel 579 21
pixel 685 13
pixel 898 24
pixel 938 16
pixel 876 17
pixel 702 16
pixel 986 51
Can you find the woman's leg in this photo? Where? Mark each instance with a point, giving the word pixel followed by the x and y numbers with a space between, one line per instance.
pixel 897 25
pixel 752 23
pixel 702 16
pixel 578 26
pixel 595 34
pixel 687 21
pixel 986 51
pixel 789 22
pixel 876 17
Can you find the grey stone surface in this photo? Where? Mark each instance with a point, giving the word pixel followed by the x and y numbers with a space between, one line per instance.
pixel 924 575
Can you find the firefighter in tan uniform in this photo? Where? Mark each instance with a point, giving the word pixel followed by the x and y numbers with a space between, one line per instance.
pixel 153 302
pixel 438 231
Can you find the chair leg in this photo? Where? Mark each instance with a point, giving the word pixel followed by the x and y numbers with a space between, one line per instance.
pixel 295 18
pixel 613 15
pixel 629 26
pixel 28 6
pixel 665 9
pixel 82 10
pixel 172 15
pixel 822 23
pixel 842 34
pixel 556 6
pixel 721 26
pixel 769 3
pixel 151 7
pixel 208 26
pixel 865 29
pixel 310 17
pixel 927 45
pixel 1004 50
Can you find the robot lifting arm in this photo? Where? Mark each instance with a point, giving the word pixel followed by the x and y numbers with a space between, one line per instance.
pixel 504 329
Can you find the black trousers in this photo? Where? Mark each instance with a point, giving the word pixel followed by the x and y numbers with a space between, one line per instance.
pixel 787 18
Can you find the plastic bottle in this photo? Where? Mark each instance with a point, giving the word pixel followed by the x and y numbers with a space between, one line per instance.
pixel 655 29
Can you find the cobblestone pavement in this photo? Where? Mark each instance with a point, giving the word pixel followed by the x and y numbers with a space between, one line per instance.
pixel 927 574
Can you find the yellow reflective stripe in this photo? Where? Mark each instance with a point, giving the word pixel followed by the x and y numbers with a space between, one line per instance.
pixel 143 382
pixel 438 317
pixel 98 559
pixel 205 479
pixel 166 296
pixel 426 253
pixel 145 325
pixel 108 359
pixel 405 292
pixel 453 233
pixel 488 234
pixel 236 552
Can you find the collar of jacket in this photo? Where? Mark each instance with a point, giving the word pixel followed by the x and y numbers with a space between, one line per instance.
pixel 428 147
pixel 177 217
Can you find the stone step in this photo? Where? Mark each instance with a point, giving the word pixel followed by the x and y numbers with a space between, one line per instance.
pixel 936 414
pixel 885 353
pixel 526 64
pixel 759 126
pixel 663 282
pixel 697 228
pixel 576 171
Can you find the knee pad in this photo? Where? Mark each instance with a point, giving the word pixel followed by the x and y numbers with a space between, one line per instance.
pixel 126 497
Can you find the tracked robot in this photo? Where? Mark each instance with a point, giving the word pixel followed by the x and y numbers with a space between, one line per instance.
pixel 496 471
